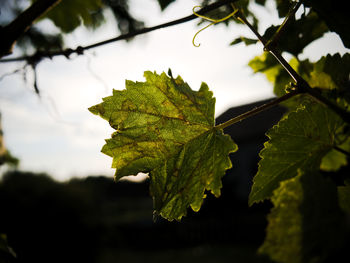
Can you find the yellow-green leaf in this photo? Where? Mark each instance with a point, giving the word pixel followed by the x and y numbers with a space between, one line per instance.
pixel 166 129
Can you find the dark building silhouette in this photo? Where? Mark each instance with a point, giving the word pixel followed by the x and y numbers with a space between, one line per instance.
pixel 249 135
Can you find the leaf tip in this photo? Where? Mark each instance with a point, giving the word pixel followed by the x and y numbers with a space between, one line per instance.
pixel 96 109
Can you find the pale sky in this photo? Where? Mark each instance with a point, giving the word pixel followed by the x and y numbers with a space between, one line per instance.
pixel 56 133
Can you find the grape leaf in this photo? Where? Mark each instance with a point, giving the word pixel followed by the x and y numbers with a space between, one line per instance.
pixel 331 72
pixel 182 181
pixel 283 7
pixel 306 223
pixel 68 14
pixel 273 71
pixel 299 141
pixel 165 128
pixel 303 30
pixel 332 161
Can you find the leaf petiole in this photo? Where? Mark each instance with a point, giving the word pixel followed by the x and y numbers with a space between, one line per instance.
pixel 257 110
pixel 341 151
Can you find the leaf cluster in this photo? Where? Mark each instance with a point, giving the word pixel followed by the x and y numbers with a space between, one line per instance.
pixel 302 164
pixel 167 130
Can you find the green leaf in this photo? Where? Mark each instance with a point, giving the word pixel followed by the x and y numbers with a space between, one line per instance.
pixel 335 159
pixel 69 14
pixel 331 72
pixel 305 224
pixel 283 7
pixel 303 31
pixel 273 71
pixel 299 141
pixel 165 128
pixel 181 182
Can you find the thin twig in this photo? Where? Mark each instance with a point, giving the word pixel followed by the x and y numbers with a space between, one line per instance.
pixel 315 94
pixel 12 73
pixel 257 110
pixel 341 151
pixel 277 35
pixel 80 49
pixel 295 76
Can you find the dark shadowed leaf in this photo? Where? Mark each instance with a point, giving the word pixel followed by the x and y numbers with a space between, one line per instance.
pixel 68 14
pixel 298 33
pixel 305 224
pixel 283 7
pixel 336 16
pixel 299 141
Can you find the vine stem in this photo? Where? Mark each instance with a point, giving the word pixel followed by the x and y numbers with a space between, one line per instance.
pixel 80 49
pixel 300 83
pixel 257 110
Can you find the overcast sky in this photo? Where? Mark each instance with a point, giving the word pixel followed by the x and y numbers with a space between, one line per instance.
pixel 56 134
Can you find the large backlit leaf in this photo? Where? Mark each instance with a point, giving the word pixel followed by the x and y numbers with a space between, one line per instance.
pixel 165 128
pixel 299 141
pixel 182 181
pixel 306 224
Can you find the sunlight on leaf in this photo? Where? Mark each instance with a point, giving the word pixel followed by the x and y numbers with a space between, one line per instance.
pixel 166 129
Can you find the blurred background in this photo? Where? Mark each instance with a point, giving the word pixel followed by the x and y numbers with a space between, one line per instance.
pixel 94 219
pixel 56 134
pixel 59 202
